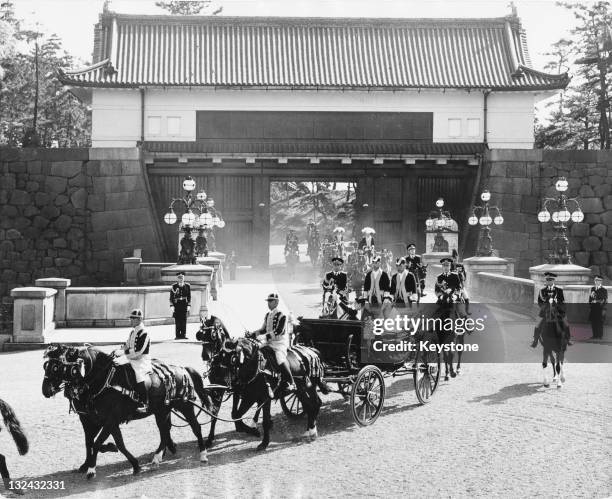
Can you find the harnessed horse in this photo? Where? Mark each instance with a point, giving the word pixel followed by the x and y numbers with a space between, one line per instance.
pixel 14 428
pixel 97 390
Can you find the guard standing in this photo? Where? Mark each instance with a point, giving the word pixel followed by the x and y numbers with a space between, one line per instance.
pixel 598 299
pixel 180 304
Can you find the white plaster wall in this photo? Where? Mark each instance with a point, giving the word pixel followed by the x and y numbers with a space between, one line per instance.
pixel 116 113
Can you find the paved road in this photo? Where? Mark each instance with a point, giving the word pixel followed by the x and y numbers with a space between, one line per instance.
pixel 492 432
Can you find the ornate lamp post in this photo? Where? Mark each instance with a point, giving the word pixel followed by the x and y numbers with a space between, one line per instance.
pixel 557 211
pixel 485 242
pixel 439 221
pixel 199 215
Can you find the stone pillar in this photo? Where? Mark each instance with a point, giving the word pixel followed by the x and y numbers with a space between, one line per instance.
pixel 60 286
pixel 198 277
pixel 131 266
pixel 567 274
pixel 33 314
pixel 221 257
pixel 490 264
pixel 215 263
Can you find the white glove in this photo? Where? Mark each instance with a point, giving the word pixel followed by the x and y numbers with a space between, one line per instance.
pixel 414 297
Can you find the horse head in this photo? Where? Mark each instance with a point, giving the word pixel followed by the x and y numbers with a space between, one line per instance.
pixel 212 334
pixel 66 366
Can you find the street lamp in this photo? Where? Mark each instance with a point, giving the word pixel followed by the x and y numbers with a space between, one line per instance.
pixel 485 242
pixel 439 221
pixel 201 215
pixel 559 217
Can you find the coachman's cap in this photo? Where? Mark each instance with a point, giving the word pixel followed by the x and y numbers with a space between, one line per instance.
pixel 180 274
pixel 337 259
pixel 400 261
pixel 272 296
pixel 411 245
pixel 598 277
pixel 550 275
pixel 446 260
pixel 136 314
pixel 376 259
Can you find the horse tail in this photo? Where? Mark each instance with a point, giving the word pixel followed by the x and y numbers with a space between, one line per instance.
pixel 13 426
pixel 198 385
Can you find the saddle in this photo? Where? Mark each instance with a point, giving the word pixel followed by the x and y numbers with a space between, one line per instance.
pixel 303 361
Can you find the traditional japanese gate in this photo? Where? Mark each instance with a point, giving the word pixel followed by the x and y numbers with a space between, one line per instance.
pixel 394 196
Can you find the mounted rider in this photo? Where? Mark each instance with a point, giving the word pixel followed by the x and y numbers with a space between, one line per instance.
pixel 377 284
pixel 415 265
pixel 274 335
pixel 404 288
pixel 136 351
pixel 367 240
pixel 448 284
pixel 552 307
pixel 337 279
pixel 338 241
pixel 459 268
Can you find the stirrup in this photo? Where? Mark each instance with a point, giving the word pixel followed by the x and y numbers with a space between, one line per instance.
pixel 142 409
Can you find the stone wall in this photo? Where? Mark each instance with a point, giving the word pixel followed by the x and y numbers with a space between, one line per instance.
pixel 520 179
pixel 73 213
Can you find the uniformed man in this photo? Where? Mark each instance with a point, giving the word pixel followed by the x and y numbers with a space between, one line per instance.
pixel 404 286
pixel 367 239
pixel 598 299
pixel 459 268
pixel 448 285
pixel 274 334
pixel 136 350
pixel 377 284
pixel 551 300
pixel 339 241
pixel 336 278
pixel 415 265
pixel 180 304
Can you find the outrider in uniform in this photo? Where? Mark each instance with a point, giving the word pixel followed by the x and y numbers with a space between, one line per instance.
pixel 415 265
pixel 180 303
pixel 552 308
pixel 598 299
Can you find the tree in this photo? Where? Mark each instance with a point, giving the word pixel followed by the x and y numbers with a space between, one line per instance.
pixel 188 8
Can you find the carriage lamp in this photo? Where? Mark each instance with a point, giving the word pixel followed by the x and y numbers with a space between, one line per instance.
pixel 557 211
pixel 200 215
pixel 439 221
pixel 485 242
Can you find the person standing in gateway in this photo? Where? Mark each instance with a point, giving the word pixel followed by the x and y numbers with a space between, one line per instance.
pixel 180 304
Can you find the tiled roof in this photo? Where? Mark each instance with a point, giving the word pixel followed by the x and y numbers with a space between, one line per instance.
pixel 311 53
pixel 316 148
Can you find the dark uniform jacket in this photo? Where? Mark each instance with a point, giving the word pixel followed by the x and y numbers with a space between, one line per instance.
pixel 410 284
pixel 545 295
pixel 384 283
pixel 598 298
pixel 460 270
pixel 363 243
pixel 414 264
pixel 444 282
pixel 340 279
pixel 180 294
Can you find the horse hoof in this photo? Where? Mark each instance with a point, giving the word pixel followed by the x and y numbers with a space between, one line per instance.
pixel 546 385
pixel 262 446
pixel 157 459
pixel 313 433
pixel 208 444
pixel 91 473
pixel 453 374
pixel 136 470
pixel 458 371
pixel 171 447
pixel 203 456
pixel 446 377
pixel 81 469
pixel 562 379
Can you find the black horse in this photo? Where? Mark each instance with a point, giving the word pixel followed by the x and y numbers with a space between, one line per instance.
pixel 102 389
pixel 14 427
pixel 213 335
pixel 251 373
pixel 553 337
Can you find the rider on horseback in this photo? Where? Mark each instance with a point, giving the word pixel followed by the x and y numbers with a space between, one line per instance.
pixel 136 350
pixel 459 268
pixel 336 278
pixel 552 306
pixel 415 265
pixel 448 284
pixel 274 334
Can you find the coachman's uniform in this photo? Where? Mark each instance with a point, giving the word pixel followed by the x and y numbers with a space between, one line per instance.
pixel 376 286
pixel 274 333
pixel 137 352
pixel 180 299
pixel 403 285
pixel 598 299
pixel 366 242
pixel 414 265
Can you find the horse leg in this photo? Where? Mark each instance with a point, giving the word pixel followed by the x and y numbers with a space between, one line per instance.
pixel 544 365
pixel 118 437
pixel 6 479
pixel 216 407
pixel 187 411
pixel 90 429
pixel 102 436
pixel 450 357
pixel 162 420
pixel 245 405
pixel 561 360
pixel 267 420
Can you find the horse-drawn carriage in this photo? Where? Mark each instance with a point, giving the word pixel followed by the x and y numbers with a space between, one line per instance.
pixel 349 362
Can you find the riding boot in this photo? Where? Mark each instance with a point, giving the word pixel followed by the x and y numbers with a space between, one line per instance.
pixel 143 395
pixel 467 306
pixel 536 337
pixel 287 382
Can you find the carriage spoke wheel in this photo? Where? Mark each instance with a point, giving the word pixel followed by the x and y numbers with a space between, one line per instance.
pixel 292 406
pixel 426 375
pixel 367 395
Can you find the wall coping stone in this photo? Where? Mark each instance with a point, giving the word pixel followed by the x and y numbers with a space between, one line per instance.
pixel 514 155
pixel 33 292
pixel 118 289
pixel 507 278
pixel 114 153
pixel 53 282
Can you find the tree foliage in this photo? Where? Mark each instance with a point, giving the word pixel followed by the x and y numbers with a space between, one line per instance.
pixel 188 7
pixel 35 108
pixel 581 118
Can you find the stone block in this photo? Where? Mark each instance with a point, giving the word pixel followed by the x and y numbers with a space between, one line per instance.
pixel 530 204
pixel 596 179
pixel 30 211
pixel 60 242
pixel 85 305
pixel 599 230
pixel 4 196
pixel 63 223
pixel 41 222
pixel 602 190
pixel 606 218
pixel 118 200
pixel 607 244
pixel 41 198
pixel 586 191
pixel 65 253
pixel 599 257
pixel 130 183
pixel 20 198
pixel 62 262
pixel 103 185
pixel 50 212
pixel 515 155
pixel 517 170
pixel 592 218
pixel 13 234
pixel 591 243
pixel 68 210
pixel 9 211
pixel 92 168
pixel 569 156
pixel 67 169
pixel 34 167
pixel 130 168
pixel 591 205
pixel 22 222
pixel 498 169
pixel 79 198
pixel 110 168
pixel 95 202
pixel 17 167
pixel 32 186
pixel 61 200
pixel 55 185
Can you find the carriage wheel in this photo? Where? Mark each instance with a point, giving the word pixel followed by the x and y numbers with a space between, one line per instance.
pixel 426 375
pixel 292 406
pixel 367 395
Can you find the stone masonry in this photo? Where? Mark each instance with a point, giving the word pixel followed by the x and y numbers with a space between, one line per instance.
pixel 519 180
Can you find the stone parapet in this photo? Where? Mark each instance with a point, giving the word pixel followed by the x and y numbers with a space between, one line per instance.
pixel 32 314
